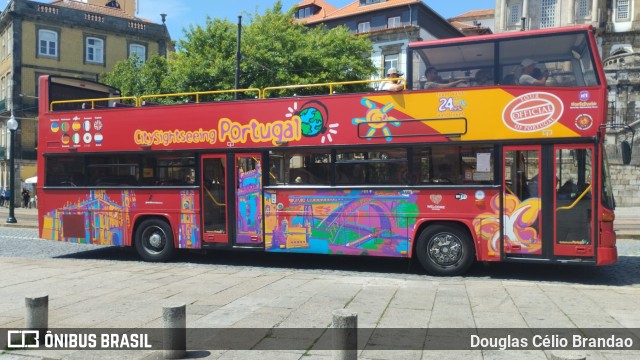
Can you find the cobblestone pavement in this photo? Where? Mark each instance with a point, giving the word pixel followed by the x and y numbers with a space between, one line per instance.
pixel 107 287
pixel 19 242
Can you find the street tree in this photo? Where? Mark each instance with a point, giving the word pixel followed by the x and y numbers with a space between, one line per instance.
pixel 276 51
pixel 135 78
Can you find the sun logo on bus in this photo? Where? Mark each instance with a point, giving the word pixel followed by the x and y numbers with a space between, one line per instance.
pixel 313 117
pixel 376 119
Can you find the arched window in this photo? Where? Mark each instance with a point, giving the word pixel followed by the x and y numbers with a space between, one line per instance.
pixel 47 43
pixel 583 9
pixel 94 50
pixel 623 11
pixel 514 13
pixel 139 52
pixel 548 13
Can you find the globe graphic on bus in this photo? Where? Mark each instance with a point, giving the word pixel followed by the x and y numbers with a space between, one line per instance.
pixel 312 121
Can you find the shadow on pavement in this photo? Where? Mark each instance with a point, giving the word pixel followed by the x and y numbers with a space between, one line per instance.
pixel 625 272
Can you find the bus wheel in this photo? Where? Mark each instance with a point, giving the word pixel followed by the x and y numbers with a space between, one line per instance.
pixel 154 240
pixel 444 250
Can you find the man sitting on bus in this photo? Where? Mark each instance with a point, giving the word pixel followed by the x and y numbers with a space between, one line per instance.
pixel 527 78
pixel 392 85
pixel 433 81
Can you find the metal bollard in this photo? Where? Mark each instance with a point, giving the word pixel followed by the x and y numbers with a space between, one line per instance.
pixel 174 336
pixel 37 308
pixel 345 335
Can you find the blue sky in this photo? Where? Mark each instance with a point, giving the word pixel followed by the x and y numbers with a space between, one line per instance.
pixel 182 13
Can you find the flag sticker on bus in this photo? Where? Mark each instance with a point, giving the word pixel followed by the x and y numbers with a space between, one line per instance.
pixel 532 112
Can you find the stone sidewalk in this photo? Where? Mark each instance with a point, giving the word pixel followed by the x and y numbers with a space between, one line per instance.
pixel 27 218
pixel 130 294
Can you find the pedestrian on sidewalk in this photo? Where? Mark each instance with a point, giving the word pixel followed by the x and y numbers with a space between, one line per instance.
pixel 25 198
pixel 6 194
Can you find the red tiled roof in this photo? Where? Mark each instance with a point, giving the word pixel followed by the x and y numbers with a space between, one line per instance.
pixel 474 14
pixel 104 10
pixel 355 8
pixel 325 10
pixel 460 25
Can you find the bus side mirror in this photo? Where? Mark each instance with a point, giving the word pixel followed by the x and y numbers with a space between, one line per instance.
pixel 625 147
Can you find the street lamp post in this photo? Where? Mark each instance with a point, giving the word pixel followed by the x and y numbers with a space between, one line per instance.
pixel 12 125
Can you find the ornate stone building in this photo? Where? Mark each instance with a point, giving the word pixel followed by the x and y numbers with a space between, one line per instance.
pixel 65 37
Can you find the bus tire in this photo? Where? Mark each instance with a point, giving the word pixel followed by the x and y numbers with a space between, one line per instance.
pixel 154 240
pixel 445 250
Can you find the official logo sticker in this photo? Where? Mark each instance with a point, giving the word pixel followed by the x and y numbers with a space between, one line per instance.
pixel 461 196
pixel 584 121
pixel 532 112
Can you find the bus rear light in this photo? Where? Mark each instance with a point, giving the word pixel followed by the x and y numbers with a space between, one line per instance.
pixel 479 202
pixel 608 216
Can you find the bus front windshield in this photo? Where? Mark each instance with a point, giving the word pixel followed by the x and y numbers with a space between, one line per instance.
pixel 554 60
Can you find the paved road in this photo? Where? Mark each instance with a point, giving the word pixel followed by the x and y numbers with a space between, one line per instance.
pixel 106 287
pixel 20 242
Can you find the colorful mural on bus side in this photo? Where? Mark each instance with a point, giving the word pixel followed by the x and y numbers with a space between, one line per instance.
pixel 383 223
pixel 352 222
pixel 249 211
pixel 104 217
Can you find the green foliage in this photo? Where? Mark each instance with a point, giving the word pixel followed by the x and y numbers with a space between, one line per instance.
pixel 135 79
pixel 276 51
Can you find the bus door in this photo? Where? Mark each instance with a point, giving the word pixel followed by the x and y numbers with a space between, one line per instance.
pixel 573 215
pixel 522 202
pixel 215 223
pixel 248 204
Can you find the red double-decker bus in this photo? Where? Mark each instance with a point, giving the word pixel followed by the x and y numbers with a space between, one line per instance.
pixel 494 152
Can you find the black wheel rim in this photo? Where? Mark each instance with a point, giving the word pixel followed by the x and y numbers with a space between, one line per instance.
pixel 445 249
pixel 154 240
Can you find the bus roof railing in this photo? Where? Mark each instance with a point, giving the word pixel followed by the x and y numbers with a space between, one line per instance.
pixel 261 93
pixel 329 84
pixel 92 101
pixel 198 94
